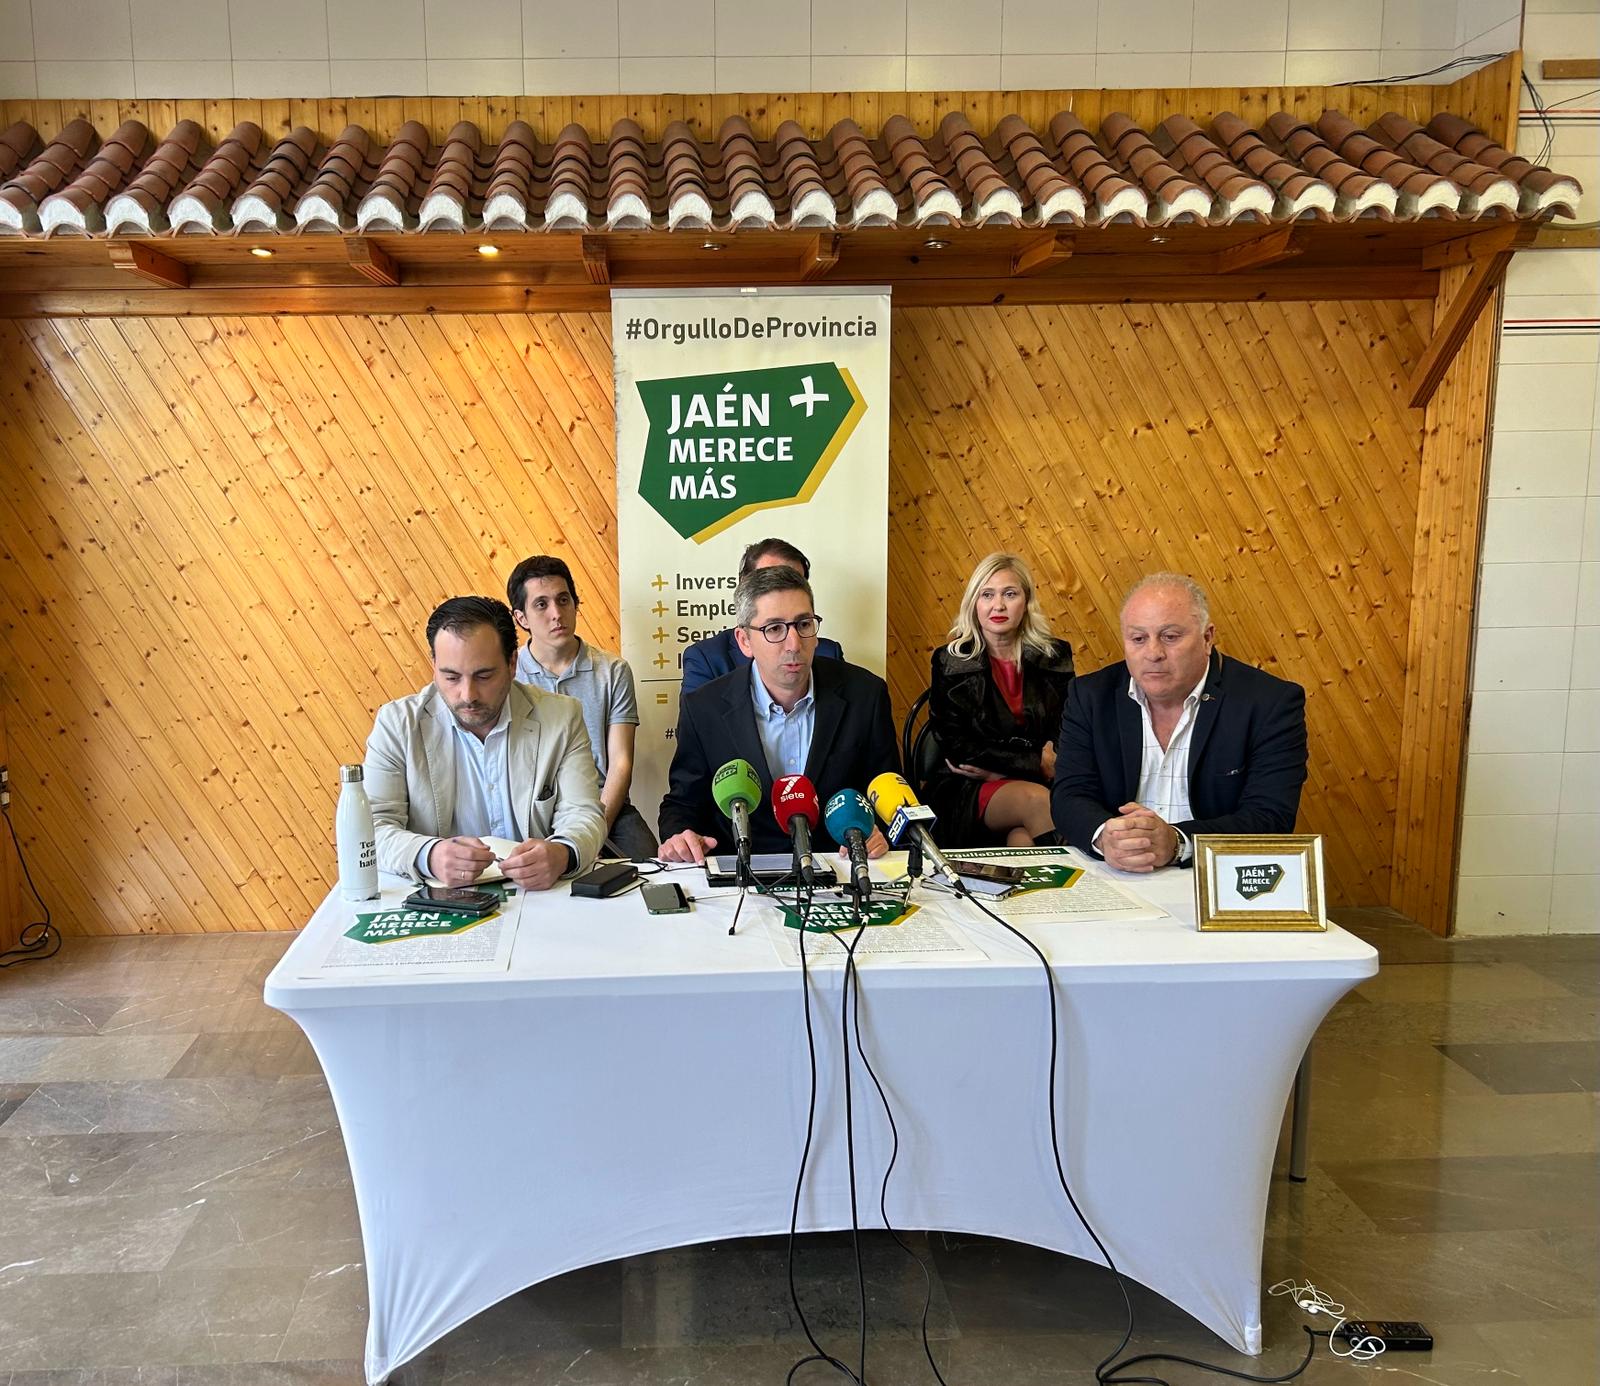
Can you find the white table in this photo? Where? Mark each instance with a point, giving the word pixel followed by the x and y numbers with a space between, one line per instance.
pixel 633 1083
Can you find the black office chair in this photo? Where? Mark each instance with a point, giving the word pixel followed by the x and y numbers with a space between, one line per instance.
pixel 920 753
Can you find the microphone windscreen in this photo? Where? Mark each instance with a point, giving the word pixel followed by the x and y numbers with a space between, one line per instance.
pixel 794 795
pixel 847 809
pixel 889 793
pixel 735 781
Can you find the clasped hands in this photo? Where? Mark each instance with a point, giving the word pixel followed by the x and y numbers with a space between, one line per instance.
pixel 537 863
pixel 1138 840
pixel 690 846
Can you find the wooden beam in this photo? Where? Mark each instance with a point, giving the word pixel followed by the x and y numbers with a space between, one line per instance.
pixel 1443 578
pixel 1278 244
pixel 579 295
pixel 596 259
pixel 150 264
pixel 1570 69
pixel 1049 249
pixel 1567 238
pixel 1480 245
pixel 1483 278
pixel 818 259
pixel 371 261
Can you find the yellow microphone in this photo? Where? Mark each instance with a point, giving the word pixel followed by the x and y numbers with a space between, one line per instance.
pixel 902 815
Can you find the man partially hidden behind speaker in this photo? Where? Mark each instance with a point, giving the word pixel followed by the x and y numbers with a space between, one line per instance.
pixel 1177 739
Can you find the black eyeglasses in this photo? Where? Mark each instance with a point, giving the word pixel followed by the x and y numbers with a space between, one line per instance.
pixel 776 632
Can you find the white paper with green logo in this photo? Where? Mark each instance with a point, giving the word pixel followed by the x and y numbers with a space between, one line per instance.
pixel 742 415
pixel 383 938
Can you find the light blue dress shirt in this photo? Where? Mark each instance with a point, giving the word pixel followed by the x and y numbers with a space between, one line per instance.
pixel 483 785
pixel 785 736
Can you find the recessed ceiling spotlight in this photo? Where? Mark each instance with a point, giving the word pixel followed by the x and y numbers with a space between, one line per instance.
pixel 935 243
pixel 1158 240
pixel 712 245
pixel 261 252
pixel 489 251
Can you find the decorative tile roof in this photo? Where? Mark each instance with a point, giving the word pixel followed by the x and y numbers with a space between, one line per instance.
pixel 132 183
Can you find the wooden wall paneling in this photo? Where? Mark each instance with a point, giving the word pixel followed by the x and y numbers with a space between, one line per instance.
pixel 1334 486
pixel 237 563
pixel 1292 519
pixel 272 502
pixel 89 718
pixel 402 450
pixel 43 754
pixel 1432 747
pixel 541 499
pixel 375 577
pixel 224 638
pixel 554 480
pixel 1316 643
pixel 241 471
pixel 380 463
pixel 1489 97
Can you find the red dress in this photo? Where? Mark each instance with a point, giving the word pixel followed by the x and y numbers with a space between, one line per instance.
pixel 1007 675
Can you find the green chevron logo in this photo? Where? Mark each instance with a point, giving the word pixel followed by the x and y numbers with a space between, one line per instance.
pixel 721 447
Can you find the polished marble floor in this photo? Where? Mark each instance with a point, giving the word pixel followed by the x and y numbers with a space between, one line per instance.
pixel 175 1208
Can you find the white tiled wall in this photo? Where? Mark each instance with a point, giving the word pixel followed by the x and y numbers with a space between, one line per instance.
pixel 91 48
pixel 1530 859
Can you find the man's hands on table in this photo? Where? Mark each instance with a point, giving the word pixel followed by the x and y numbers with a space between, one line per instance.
pixel 1138 840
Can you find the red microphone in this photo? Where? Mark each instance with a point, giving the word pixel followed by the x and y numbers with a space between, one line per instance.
pixel 794 805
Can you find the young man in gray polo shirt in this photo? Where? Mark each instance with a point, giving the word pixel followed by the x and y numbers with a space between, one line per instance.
pixel 544 601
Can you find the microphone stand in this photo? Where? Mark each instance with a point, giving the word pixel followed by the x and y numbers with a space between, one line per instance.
pixel 742 872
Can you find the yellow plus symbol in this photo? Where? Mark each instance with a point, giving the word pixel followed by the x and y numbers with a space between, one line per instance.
pixel 661 661
pixel 660 609
pixel 659 583
pixel 659 635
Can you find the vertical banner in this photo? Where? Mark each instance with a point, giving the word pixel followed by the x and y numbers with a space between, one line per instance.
pixel 742 414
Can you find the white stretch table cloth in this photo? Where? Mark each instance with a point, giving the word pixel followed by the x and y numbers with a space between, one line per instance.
pixel 638 1082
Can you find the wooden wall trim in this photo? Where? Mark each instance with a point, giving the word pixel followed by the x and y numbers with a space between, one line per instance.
pixel 11 915
pixel 1489 98
pixel 1439 647
pixel 815 112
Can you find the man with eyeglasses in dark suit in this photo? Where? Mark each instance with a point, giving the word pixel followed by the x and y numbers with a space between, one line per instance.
pixel 787 714
pixel 721 654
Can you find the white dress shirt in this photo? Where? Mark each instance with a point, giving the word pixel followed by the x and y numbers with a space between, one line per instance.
pixel 1164 773
pixel 483 785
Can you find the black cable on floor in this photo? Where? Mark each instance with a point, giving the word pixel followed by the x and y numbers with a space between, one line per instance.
pixel 853 981
pixel 39 938
pixel 818 1352
pixel 1107 1371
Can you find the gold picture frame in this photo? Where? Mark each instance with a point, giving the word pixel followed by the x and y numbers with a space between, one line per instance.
pixel 1260 866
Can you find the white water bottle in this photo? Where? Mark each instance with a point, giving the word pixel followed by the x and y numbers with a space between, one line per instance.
pixel 358 843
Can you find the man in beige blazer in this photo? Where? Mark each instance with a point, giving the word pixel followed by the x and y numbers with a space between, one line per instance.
pixel 477 755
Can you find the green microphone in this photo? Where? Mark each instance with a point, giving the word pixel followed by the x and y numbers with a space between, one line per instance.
pixel 736 791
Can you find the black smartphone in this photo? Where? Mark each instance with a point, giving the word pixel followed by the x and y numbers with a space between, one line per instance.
pixel 664 897
pixel 992 872
pixel 454 899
